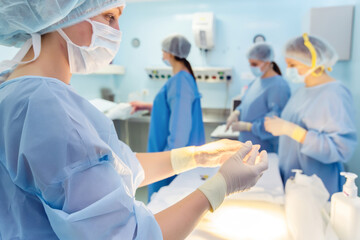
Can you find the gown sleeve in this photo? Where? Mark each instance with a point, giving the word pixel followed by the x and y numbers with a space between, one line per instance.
pixel 85 188
pixel 277 97
pixel 180 97
pixel 331 135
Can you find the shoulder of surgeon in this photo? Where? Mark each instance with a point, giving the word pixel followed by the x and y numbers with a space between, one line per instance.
pixel 335 90
pixel 338 92
pixel 181 76
pixel 47 97
pixel 182 80
pixel 280 81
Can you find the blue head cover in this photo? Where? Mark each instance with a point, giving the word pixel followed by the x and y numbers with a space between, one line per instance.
pixel 177 45
pixel 261 51
pixel 20 18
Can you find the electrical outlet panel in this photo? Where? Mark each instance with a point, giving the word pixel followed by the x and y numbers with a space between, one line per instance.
pixel 202 74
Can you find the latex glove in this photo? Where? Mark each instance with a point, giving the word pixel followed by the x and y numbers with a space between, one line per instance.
pixel 241 126
pixel 239 173
pixel 209 155
pixel 234 117
pixel 137 106
pixel 277 127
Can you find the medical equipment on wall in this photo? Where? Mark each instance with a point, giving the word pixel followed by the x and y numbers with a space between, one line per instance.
pixel 259 38
pixel 202 74
pixel 203 27
pixel 345 210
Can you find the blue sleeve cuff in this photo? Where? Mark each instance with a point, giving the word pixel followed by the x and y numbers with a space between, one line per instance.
pixel 323 148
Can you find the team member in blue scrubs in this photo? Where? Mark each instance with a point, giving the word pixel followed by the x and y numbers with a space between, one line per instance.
pixel 176 117
pixel 317 127
pixel 266 96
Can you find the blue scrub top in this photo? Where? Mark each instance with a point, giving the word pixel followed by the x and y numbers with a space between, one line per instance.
pixel 176 119
pixel 326 111
pixel 63 172
pixel 264 98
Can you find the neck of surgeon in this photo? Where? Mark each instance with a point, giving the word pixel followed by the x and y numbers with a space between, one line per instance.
pixel 52 61
pixel 312 81
pixel 269 72
pixel 178 66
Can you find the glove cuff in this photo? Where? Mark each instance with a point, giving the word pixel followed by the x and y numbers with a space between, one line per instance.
pixel 183 159
pixel 215 190
pixel 298 134
pixel 248 127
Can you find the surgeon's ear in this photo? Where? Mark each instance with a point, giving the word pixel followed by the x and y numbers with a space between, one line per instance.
pixel 319 70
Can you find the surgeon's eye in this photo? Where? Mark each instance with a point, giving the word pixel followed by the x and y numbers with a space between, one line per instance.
pixel 110 18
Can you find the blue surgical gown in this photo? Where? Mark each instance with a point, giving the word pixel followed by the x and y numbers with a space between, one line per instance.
pixel 63 172
pixel 326 111
pixel 264 98
pixel 176 119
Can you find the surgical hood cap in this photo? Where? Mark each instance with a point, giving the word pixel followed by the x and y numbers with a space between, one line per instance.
pixel 261 51
pixel 20 18
pixel 177 45
pixel 325 54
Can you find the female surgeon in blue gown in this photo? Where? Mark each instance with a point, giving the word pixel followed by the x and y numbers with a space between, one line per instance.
pixel 64 174
pixel 266 96
pixel 176 116
pixel 317 127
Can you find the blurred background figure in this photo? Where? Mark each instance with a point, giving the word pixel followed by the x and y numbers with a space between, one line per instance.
pixel 176 115
pixel 317 127
pixel 265 96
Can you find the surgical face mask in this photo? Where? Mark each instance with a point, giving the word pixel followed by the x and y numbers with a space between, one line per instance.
pixel 256 71
pixel 167 62
pixel 292 74
pixel 105 43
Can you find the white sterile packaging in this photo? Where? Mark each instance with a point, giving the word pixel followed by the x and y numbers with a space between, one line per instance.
pixel 121 111
pixel 114 111
pixel 307 208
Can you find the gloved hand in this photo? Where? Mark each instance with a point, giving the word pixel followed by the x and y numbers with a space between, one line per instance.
pixel 209 155
pixel 239 173
pixel 277 127
pixel 234 117
pixel 241 126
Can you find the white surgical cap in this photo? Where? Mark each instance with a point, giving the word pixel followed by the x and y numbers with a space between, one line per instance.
pixel 20 18
pixel 177 45
pixel 261 51
pixel 326 55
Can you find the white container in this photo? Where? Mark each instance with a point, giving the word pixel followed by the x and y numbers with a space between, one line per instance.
pixel 345 210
